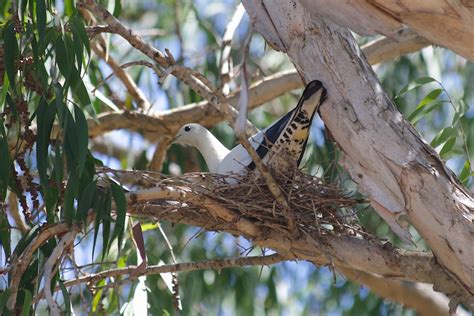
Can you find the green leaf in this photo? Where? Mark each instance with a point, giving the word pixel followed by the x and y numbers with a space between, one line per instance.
pixel 415 84
pixel 62 57
pixel 443 136
pixel 463 107
pixel 106 224
pixel 66 297
pixel 99 215
pixel 4 90
pixel 26 303
pixel 465 172
pixel 69 8
pixel 10 46
pixel 45 120
pixel 23 12
pixel 4 296
pixel 31 274
pixel 58 165
pixel 102 97
pixel 121 209
pixel 12 105
pixel 5 232
pixel 69 195
pixel 447 147
pixel 117 8
pixel 41 21
pixel 97 296
pixel 71 148
pixel 82 135
pixel 51 194
pixel 5 164
pixel 430 97
pixel 86 201
pixel 51 36
pixel 78 51
pixel 80 91
pixel 417 114
pixel 26 239
pixel 456 118
pixel 78 28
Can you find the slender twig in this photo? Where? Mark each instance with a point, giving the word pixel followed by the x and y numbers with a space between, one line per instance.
pixel 97 29
pixel 225 62
pixel 21 263
pixel 172 268
pixel 184 195
pixel 49 268
pixel 118 70
pixel 239 130
pixel 193 79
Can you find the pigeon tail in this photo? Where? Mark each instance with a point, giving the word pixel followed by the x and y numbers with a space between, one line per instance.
pixel 290 133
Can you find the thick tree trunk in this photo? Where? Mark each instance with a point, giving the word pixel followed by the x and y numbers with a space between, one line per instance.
pixel 403 177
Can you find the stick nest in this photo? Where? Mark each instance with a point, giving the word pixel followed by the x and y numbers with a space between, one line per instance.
pixel 318 207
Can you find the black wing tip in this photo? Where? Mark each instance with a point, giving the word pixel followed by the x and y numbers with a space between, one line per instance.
pixel 313 87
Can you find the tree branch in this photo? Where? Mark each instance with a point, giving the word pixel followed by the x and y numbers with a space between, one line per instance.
pixel 262 91
pixel 446 22
pixel 387 48
pixel 132 88
pixel 376 257
pixel 383 153
pixel 217 264
pixel 21 263
pixel 259 93
pixel 418 296
pixel 49 267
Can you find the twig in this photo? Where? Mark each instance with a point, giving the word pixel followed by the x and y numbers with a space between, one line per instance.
pixel 162 145
pixel 172 268
pixel 49 267
pixel 136 93
pixel 97 29
pixel 175 290
pixel 260 92
pixel 177 24
pixel 190 77
pixel 183 195
pixel 21 263
pixel 133 38
pixel 239 130
pixel 225 62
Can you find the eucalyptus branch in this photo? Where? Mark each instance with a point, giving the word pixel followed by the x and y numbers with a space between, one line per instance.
pixel 217 264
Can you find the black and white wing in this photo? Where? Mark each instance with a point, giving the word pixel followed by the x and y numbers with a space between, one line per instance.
pixel 288 134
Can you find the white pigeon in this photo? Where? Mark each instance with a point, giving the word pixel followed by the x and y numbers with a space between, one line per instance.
pixel 286 138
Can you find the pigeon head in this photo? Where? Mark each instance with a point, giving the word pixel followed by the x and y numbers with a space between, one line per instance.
pixel 208 145
pixel 190 134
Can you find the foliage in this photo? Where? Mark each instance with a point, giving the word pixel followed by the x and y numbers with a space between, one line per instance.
pixel 48 161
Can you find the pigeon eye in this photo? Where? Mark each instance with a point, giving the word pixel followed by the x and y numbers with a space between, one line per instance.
pixel 187 128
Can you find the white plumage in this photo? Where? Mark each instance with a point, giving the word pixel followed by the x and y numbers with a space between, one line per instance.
pixel 280 145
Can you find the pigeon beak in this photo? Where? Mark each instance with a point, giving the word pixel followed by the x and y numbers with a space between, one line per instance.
pixel 173 141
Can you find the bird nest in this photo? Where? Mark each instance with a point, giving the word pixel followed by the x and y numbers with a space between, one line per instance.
pixel 318 207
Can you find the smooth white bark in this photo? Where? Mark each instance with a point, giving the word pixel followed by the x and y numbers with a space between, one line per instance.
pixel 404 177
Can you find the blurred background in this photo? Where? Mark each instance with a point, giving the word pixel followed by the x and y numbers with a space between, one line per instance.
pixel 193 31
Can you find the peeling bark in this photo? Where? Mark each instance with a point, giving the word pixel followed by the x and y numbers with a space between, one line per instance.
pixel 448 23
pixel 385 155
